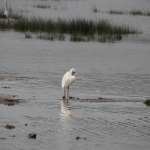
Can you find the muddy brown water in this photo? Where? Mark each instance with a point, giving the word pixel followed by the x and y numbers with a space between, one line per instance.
pixel 33 69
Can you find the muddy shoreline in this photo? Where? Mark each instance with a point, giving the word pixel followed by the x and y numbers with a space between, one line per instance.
pixel 100 99
pixel 11 78
pixel 10 100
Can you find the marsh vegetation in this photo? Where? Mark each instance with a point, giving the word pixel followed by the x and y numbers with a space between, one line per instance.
pixel 79 29
pixel 147 102
pixel 43 6
pixel 132 12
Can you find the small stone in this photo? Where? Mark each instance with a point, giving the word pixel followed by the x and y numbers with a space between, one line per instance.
pixel 77 137
pixel 32 136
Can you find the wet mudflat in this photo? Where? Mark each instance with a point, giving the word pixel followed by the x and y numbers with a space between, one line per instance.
pixel 44 121
pixel 112 82
pixel 57 125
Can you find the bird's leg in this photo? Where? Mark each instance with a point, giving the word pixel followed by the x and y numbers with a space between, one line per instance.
pixel 64 94
pixel 68 93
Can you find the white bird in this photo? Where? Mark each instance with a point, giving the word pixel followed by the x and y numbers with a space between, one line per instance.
pixel 67 80
pixel 9 14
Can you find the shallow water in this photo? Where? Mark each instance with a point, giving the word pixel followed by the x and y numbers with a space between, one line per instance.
pixel 118 70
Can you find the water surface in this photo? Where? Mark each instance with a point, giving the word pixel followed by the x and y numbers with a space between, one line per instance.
pixel 113 70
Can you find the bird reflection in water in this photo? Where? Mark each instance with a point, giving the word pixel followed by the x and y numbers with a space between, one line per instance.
pixel 66 109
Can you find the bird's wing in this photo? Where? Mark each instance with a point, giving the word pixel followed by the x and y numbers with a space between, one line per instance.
pixel 70 80
pixel 64 80
pixel 67 80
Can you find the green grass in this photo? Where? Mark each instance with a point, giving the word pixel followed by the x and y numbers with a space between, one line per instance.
pixel 76 37
pixel 43 6
pixel 139 12
pixel 51 37
pixel 95 9
pixel 132 12
pixel 147 102
pixel 78 29
pixel 72 26
pixel 28 36
pixel 95 38
pixel 112 11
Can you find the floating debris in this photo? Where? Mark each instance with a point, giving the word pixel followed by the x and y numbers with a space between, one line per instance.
pixel 9 127
pixel 32 136
pixel 80 138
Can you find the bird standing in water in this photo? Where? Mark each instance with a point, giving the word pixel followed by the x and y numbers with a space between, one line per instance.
pixel 9 14
pixel 67 80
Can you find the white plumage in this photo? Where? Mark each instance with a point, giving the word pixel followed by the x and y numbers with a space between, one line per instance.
pixel 68 80
pixel 9 13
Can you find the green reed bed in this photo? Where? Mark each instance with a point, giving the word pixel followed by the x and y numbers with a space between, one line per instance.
pixel 78 29
pixel 96 38
pixel 139 12
pixel 95 9
pixel 78 37
pixel 78 26
pixel 132 12
pixel 51 37
pixel 112 11
pixel 28 36
pixel 42 6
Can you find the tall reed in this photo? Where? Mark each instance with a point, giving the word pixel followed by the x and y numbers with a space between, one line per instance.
pixel 78 29
pixel 71 26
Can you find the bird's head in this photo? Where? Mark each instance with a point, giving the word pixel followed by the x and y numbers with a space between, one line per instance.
pixel 72 71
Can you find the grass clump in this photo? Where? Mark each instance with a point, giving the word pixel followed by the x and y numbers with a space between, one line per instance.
pixel 139 12
pixel 45 37
pixel 78 29
pixel 77 38
pixel 41 6
pixel 95 9
pixel 51 37
pixel 112 11
pixel 147 102
pixel 135 12
pixel 132 12
pixel 96 38
pixel 28 36
pixel 72 26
